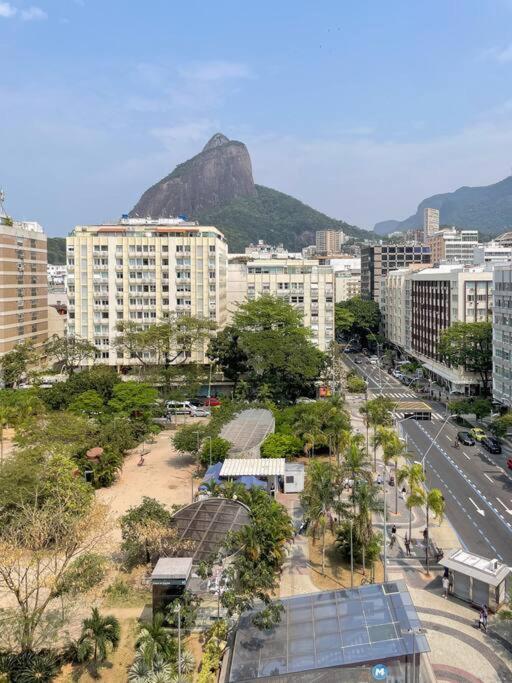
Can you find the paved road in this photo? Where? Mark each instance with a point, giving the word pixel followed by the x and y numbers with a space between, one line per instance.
pixel 476 485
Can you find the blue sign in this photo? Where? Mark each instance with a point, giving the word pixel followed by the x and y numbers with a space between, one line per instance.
pixel 380 672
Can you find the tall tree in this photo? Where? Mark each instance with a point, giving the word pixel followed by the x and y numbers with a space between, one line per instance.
pixel 321 499
pixel 14 364
pixel 367 499
pixel 280 355
pixel 378 412
pixel 364 313
pixel 469 345
pixel 69 352
pixel 434 502
pixel 414 476
pixel 103 633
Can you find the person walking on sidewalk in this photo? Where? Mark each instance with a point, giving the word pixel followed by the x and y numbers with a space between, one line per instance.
pixel 482 626
pixel 446 583
pixel 407 543
pixel 486 616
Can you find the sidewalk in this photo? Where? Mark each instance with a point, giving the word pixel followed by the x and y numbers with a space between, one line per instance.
pixel 459 651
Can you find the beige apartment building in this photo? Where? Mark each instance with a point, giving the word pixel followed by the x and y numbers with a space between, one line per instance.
pixel 143 270
pixel 303 283
pixel 430 222
pixel 453 246
pixel 23 284
pixel 329 242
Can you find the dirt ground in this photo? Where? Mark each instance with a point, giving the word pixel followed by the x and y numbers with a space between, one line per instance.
pixel 337 572
pixel 165 475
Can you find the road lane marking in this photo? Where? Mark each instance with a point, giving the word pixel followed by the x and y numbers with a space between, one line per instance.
pixel 466 455
pixel 503 504
pixel 489 478
pixel 479 510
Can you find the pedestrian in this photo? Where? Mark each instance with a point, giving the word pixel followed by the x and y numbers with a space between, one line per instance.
pixel 403 492
pixel 393 529
pixel 407 546
pixel 393 539
pixel 141 461
pixel 425 534
pixel 486 616
pixel 481 621
pixel 445 583
pixel 450 583
pixel 446 572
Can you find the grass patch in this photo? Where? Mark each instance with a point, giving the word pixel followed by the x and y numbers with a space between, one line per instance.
pixel 121 594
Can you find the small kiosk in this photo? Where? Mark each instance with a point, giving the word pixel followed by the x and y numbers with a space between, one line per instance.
pixel 477 579
pixel 169 580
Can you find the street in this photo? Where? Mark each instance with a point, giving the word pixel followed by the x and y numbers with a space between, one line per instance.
pixel 475 484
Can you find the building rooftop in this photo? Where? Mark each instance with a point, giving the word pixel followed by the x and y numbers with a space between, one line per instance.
pixel 480 568
pixel 172 568
pixel 207 523
pixel 256 467
pixel 328 630
pixel 247 430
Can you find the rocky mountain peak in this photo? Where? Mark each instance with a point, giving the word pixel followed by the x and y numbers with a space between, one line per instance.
pixel 215 141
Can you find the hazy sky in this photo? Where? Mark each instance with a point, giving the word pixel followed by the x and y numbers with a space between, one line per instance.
pixel 360 108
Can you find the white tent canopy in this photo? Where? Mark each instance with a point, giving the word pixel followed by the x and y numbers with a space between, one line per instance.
pixel 253 467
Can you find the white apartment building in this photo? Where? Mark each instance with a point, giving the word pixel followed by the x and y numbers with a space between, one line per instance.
pixel 263 250
pixel 142 270
pixel 418 306
pixel 302 283
pixel 430 222
pixel 492 252
pixel 502 335
pixel 453 246
pixel 347 275
pixel 56 274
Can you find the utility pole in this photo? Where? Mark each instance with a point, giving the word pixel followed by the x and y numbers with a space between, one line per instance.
pixel 385 532
pixel 351 554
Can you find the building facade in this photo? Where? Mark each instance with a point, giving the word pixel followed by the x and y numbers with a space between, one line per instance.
pixel 142 271
pixel 23 284
pixel 492 252
pixel 502 335
pixel 418 305
pixel 304 284
pixel 453 246
pixel 430 222
pixel 329 242
pixel 378 260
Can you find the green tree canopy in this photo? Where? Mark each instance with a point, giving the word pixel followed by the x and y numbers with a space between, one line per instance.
pixel 357 317
pixel 14 364
pixel 281 446
pixel 214 450
pixel 469 345
pixel 134 399
pixel 68 353
pixel 89 403
pixel 272 349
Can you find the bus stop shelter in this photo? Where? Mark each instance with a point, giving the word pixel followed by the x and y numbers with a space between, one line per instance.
pixel 416 410
pixel 262 468
pixel 477 579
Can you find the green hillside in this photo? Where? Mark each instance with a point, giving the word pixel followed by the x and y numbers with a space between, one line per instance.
pixel 57 251
pixel 274 217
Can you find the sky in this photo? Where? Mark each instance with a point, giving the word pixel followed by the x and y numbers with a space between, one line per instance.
pixel 360 108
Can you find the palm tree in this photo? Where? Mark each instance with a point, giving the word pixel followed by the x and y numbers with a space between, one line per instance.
pixel 434 501
pixel 155 640
pixel 103 633
pixel 368 501
pixel 415 499
pixel 320 498
pixel 414 476
pixel 378 412
pixel 249 539
pixel 355 462
pixel 308 428
pixel 392 449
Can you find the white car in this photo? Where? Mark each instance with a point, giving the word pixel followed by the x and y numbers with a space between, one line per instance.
pixel 199 411
pixel 179 407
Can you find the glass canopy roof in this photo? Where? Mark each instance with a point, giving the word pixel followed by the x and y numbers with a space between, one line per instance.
pixel 329 629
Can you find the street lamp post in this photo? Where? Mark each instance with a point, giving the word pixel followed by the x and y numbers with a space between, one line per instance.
pixel 351 554
pixel 385 534
pixel 418 631
pixel 178 612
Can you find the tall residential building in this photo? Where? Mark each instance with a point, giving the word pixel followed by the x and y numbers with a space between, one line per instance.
pixel 453 246
pixel 430 222
pixel 23 284
pixel 303 283
pixel 502 335
pixel 378 260
pixel 142 270
pixel 347 277
pixel 418 306
pixel 329 242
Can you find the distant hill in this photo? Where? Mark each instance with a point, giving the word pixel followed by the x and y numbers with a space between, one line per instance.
pixel 216 187
pixel 487 208
pixel 57 251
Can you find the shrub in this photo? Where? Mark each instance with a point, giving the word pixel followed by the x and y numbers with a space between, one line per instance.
pixel 372 546
pixel 218 453
pixel 281 446
pixel 355 384
pixel 29 667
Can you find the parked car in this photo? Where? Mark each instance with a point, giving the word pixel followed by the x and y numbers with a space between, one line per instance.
pixel 509 463
pixel 213 401
pixel 179 407
pixel 200 411
pixel 478 433
pixel 491 444
pixel 465 439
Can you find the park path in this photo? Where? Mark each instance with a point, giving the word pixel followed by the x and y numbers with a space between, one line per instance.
pixel 296 574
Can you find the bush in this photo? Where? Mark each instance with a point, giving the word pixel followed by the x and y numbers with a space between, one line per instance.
pixel 355 384
pixel 281 446
pixel 29 667
pixel 500 426
pixel 372 547
pixel 188 438
pixel 214 450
